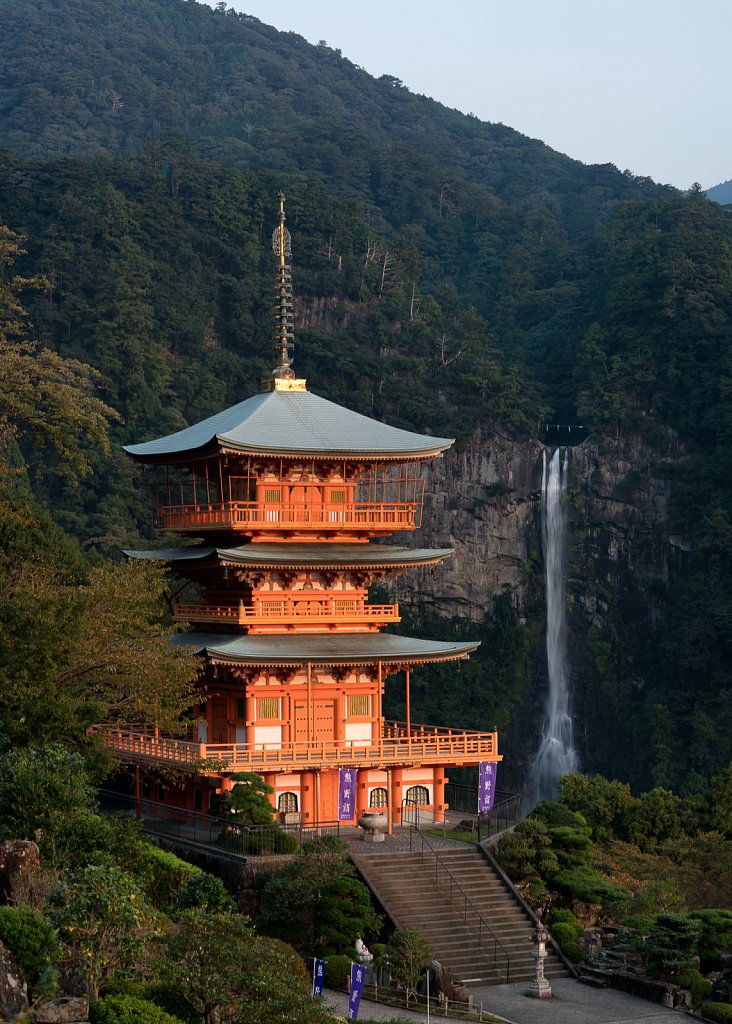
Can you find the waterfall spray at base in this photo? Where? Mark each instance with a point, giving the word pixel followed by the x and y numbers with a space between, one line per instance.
pixel 556 756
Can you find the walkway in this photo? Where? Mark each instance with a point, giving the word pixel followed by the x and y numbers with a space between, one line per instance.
pixel 571 1003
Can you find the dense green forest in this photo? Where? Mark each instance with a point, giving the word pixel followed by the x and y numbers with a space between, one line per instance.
pixel 449 274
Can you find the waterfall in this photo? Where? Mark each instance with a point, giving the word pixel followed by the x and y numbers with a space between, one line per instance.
pixel 556 756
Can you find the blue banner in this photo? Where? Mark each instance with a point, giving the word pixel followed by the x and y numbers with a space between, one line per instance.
pixel 347 793
pixel 487 786
pixel 318 977
pixel 358 975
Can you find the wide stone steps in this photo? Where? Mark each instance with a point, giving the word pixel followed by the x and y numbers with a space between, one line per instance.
pixel 415 895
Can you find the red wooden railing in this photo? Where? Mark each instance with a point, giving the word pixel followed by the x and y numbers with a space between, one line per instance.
pixel 420 744
pixel 249 515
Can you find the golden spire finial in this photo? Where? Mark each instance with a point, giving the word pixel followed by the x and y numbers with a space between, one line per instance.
pixel 283 376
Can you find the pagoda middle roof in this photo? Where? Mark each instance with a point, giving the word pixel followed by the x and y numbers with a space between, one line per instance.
pixel 321 648
pixel 296 556
pixel 289 423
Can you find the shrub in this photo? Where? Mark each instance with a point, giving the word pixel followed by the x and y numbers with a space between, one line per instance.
pixel 721 1013
pixel 697 984
pixel 338 972
pixel 586 884
pixel 572 952
pixel 564 933
pixel 30 938
pixel 716 933
pixel 561 916
pixel 205 892
pixel 170 1000
pixel 671 942
pixel 124 1009
pixel 162 875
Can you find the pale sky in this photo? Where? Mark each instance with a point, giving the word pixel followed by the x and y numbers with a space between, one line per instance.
pixel 643 84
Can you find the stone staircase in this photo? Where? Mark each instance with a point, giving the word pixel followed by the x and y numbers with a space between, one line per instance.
pixel 426 891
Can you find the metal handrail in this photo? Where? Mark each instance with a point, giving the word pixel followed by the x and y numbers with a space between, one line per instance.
pixel 536 921
pixel 222 832
pixel 455 885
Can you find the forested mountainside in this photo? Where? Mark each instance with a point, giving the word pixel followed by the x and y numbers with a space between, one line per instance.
pixel 451 276
pixel 721 193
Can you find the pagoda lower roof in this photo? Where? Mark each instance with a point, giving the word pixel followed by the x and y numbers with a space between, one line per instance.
pixel 321 649
pixel 296 424
pixel 298 556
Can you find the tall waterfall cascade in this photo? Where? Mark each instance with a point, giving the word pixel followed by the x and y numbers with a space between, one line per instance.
pixel 557 755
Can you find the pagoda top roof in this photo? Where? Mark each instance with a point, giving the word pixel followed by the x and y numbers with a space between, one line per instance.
pixel 289 423
pixel 321 649
pixel 298 556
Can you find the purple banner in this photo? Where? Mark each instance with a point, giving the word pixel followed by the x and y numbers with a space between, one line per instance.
pixel 358 976
pixel 347 793
pixel 318 977
pixel 487 786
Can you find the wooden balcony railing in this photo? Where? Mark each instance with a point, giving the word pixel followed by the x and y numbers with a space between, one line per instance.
pixel 307 613
pixel 248 516
pixel 399 745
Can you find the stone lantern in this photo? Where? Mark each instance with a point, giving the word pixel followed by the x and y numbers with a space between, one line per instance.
pixel 539 988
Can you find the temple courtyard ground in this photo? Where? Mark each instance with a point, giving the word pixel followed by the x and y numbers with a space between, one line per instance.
pixel 571 1003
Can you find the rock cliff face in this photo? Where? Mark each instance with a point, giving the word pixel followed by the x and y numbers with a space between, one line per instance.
pixel 485 502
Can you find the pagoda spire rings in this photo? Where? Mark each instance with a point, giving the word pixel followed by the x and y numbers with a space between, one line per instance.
pixel 283 376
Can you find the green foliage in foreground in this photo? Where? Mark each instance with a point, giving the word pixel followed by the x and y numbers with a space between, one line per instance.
pixel 125 1009
pixel 409 956
pixel 720 1013
pixel 31 939
pixel 697 984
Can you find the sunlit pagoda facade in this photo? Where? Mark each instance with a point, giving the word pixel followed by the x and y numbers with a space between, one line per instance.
pixel 290 499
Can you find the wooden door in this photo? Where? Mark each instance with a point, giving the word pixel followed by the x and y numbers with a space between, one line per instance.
pixel 323 723
pixel 300 722
pixel 323 720
pixel 328 810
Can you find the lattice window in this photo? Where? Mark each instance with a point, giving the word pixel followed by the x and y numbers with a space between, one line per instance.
pixel 272 494
pixel 419 795
pixel 378 797
pixel 268 707
pixel 287 803
pixel 345 606
pixel 338 497
pixel 358 704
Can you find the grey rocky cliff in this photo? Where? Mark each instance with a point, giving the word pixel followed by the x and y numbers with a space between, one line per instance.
pixel 480 500
pixel 484 500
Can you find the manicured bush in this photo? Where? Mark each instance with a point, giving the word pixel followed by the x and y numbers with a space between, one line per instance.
pixel 565 917
pixel 205 892
pixel 720 1013
pixel 672 942
pixel 162 875
pixel 30 938
pixel 572 952
pixel 564 933
pixel 697 984
pixel 338 972
pixel 124 1009
pixel 716 933
pixel 587 884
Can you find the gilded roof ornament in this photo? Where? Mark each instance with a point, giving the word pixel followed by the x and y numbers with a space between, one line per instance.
pixel 283 376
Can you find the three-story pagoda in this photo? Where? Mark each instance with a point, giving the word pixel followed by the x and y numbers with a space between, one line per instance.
pixel 290 496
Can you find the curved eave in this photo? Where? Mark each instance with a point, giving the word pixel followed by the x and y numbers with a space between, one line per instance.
pixel 300 556
pixel 322 649
pixel 289 425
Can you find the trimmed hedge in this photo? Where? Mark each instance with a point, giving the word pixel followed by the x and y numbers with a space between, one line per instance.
pixel 720 1013
pixel 123 1009
pixel 338 972
pixel 697 984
